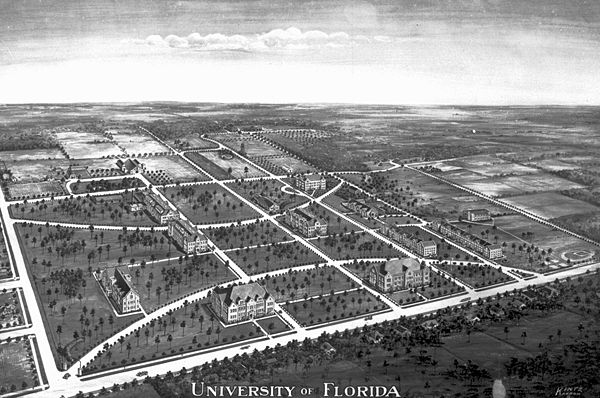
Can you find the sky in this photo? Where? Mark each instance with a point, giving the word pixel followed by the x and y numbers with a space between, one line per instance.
pixel 458 52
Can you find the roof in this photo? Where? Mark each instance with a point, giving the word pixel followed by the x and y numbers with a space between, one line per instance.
pixel 400 265
pixel 235 294
pixel 479 211
pixel 428 243
pixel 265 201
pixel 122 282
pixel 313 177
pixel 129 164
pixel 188 228
pixel 308 215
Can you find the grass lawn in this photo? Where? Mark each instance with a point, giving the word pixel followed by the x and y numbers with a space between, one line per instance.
pixel 475 275
pixel 358 245
pixel 273 325
pixel 234 236
pixel 334 307
pixel 168 280
pixel 188 333
pixel 98 210
pixel 405 297
pixel 269 188
pixel 17 366
pixel 208 204
pixel 239 168
pixel 72 248
pixel 272 257
pixel 308 283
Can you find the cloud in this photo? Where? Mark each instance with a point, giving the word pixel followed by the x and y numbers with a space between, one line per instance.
pixel 277 39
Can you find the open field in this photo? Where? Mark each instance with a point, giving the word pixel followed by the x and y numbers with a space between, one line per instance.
pixel 37 170
pixel 260 233
pixel 17 366
pixel 515 185
pixel 535 245
pixel 170 170
pixel 95 210
pixel 235 167
pixel 272 257
pixel 554 165
pixel 254 148
pixel 584 224
pixel 173 334
pixel 31 154
pixel 551 204
pixel 136 142
pixel 334 307
pixel 84 144
pixel 208 204
pixel 307 284
pixel 35 190
pixel 164 281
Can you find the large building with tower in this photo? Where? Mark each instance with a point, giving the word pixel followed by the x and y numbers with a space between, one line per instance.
pixel 242 302
pixel 398 274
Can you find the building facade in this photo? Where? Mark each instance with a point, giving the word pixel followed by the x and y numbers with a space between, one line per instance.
pixel 475 215
pixel 158 208
pixel 130 166
pixel 399 274
pixel 464 238
pixel 310 182
pixel 242 302
pixel 187 236
pixel 305 222
pixel 120 290
pixel 411 241
pixel 362 207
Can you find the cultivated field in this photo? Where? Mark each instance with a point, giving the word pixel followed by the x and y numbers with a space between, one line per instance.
pixel 136 143
pixel 285 165
pixel 31 154
pixel 35 190
pixel 85 145
pixel 170 170
pixel 551 204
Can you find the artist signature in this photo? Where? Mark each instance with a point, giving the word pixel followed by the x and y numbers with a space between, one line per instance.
pixel 573 391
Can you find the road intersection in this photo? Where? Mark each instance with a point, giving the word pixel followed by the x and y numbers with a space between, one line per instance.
pixel 69 386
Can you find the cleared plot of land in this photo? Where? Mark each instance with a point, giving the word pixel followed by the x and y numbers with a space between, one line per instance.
pixel 255 148
pixel 514 185
pixel 334 307
pixel 106 185
pixel 38 170
pixel 191 328
pixel 95 210
pixel 239 168
pixel 260 233
pixel 170 169
pixel 17 366
pixel 137 143
pixel 490 165
pixel 36 190
pixel 86 145
pixel 31 154
pixel 208 204
pixel 276 256
pixel 351 246
pixel 160 282
pixel 551 204
pixel 306 284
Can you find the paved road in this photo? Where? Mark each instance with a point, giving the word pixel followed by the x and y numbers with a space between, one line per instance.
pixel 59 386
